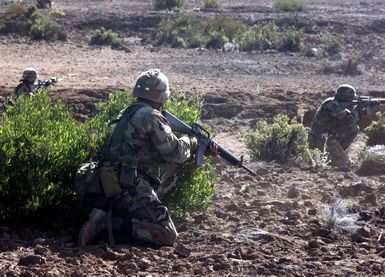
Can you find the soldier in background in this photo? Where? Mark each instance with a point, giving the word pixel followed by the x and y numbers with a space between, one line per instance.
pixel 335 126
pixel 27 83
pixel 139 167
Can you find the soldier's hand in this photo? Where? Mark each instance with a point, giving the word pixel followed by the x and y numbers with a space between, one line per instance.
pixel 214 149
pixel 193 144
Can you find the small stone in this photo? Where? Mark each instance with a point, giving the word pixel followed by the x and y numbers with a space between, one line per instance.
pixel 144 263
pixel 382 254
pixel 357 238
pixel 77 273
pixel 364 232
pixel 370 198
pixel 11 273
pixel 31 260
pixel 313 244
pixel 293 192
pixel 182 251
pixel 40 250
pixel 365 245
pixel 312 212
pixel 235 254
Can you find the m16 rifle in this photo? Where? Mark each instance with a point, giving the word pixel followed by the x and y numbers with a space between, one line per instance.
pixel 46 83
pixel 363 102
pixel 204 142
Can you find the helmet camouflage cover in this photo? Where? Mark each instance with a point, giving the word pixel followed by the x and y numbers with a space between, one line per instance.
pixel 152 85
pixel 29 72
pixel 345 92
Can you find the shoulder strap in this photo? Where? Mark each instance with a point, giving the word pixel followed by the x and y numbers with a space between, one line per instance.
pixel 121 122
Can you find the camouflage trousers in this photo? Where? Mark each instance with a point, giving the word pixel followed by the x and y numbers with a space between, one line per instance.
pixel 337 145
pixel 144 214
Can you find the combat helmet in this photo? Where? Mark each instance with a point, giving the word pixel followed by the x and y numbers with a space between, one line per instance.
pixel 152 85
pixel 29 72
pixel 345 92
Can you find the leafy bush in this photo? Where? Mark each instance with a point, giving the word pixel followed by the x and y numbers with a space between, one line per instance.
pixel 291 39
pixel 42 147
pixel 333 45
pixel 24 19
pixel 260 37
pixel 376 130
pixel 212 4
pixel 44 28
pixel 103 36
pixel 168 4
pixel 278 141
pixel 189 32
pixel 57 11
pixel 289 5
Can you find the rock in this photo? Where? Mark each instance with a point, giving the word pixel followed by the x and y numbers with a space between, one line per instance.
pixel 77 273
pixel 235 254
pixel 131 266
pixel 293 215
pixel 293 192
pixel 370 198
pixel 365 245
pixel 312 212
pixel 364 232
pixel 31 260
pixel 308 204
pixel 365 216
pixel 27 274
pixel 312 52
pixel 144 264
pixel 357 238
pixel 182 251
pixel 261 235
pixel 313 244
pixel 322 232
pixel 40 250
pixel 11 273
pixel 382 254
pixel 264 184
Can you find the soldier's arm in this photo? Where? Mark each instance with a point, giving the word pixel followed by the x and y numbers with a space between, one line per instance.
pixel 22 91
pixel 171 148
pixel 337 112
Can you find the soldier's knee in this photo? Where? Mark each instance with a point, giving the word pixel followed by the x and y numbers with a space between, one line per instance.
pixel 170 237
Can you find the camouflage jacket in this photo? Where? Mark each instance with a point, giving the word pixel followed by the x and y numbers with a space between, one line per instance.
pixel 144 137
pixel 333 119
pixel 23 89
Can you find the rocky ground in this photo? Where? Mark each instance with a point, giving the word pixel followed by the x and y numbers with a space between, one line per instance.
pixel 268 225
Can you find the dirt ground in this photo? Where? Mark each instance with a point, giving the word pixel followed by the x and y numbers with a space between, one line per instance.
pixel 254 226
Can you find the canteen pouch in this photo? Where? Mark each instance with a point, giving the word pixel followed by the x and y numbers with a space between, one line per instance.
pixel 109 177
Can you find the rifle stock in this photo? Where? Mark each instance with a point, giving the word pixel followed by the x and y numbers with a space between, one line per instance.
pixel 204 142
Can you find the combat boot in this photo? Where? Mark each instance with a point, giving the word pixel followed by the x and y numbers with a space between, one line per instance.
pixel 96 223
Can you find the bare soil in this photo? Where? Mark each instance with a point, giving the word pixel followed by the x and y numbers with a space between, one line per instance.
pixel 254 226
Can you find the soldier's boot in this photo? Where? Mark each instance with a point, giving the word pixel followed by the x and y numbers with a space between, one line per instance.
pixel 96 223
pixel 338 156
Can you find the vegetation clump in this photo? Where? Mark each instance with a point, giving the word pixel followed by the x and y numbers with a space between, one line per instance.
pixel 188 32
pixel 289 5
pixel 168 4
pixel 337 216
pixel 212 4
pixel 102 36
pixel 39 161
pixel 376 130
pixel 26 20
pixel 279 141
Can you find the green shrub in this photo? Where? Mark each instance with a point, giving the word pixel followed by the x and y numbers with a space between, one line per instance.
pixel 291 39
pixel 376 130
pixel 260 37
pixel 103 36
pixel 289 5
pixel 44 28
pixel 42 147
pixel 211 4
pixel 16 9
pixel 57 11
pixel 168 4
pixel 189 32
pixel 333 45
pixel 278 141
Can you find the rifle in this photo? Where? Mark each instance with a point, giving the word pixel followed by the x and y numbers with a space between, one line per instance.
pixel 364 102
pixel 47 83
pixel 204 141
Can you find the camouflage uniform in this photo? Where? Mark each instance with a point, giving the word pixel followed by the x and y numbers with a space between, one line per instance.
pixel 26 85
pixel 143 161
pixel 335 127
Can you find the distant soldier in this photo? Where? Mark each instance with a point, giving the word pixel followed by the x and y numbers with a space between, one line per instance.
pixel 336 126
pixel 27 83
pixel 43 4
